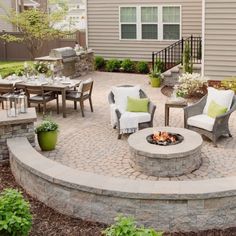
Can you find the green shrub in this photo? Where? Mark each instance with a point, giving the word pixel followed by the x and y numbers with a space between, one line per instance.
pixel 99 62
pixel 160 65
pixel 46 125
pixel 126 226
pixel 15 216
pixel 112 65
pixel 127 65
pixel 142 67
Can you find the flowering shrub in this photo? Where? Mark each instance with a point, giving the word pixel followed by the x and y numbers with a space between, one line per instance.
pixel 45 126
pixel 42 67
pixel 190 85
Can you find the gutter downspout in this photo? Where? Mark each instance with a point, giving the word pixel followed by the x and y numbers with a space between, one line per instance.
pixel 203 35
pixel 86 23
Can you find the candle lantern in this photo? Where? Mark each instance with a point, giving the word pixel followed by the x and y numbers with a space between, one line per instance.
pixel 12 105
pixel 23 103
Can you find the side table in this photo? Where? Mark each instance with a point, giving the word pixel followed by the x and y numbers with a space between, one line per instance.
pixel 173 104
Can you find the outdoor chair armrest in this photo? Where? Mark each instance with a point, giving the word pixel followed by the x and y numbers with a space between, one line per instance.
pixel 225 117
pixel 195 109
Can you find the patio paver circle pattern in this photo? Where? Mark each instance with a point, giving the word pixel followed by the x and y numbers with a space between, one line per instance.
pixel 90 144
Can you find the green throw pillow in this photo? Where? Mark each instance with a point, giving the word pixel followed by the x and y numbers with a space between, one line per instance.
pixel 137 104
pixel 215 109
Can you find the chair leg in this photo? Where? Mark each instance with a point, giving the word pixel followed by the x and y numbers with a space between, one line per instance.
pixel 82 107
pixel 75 105
pixel 214 141
pixel 119 136
pixel 38 107
pixel 91 105
pixel 3 105
pixel 44 108
pixel 230 135
pixel 57 105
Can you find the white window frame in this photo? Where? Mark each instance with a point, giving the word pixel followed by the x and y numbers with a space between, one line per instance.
pixel 160 23
pixel 171 23
pixel 148 23
pixel 127 23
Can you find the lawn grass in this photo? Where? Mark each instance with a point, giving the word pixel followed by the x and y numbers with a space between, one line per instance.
pixel 11 67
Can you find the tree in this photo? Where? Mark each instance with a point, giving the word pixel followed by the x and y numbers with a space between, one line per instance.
pixel 36 27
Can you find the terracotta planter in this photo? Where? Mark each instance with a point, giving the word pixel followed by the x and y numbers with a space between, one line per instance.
pixel 47 140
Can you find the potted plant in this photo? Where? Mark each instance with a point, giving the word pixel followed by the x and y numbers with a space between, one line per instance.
pixel 47 135
pixel 155 77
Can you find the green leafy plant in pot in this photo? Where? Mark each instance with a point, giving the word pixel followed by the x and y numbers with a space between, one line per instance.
pixel 155 77
pixel 47 133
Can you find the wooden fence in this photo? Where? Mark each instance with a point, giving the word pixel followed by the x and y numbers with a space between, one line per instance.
pixel 18 51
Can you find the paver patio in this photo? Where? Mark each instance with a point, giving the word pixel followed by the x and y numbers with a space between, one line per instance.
pixel 90 143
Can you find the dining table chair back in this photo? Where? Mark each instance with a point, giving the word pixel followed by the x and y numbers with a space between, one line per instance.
pixel 6 88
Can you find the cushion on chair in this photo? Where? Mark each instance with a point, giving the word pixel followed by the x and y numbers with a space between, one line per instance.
pixel 201 121
pixel 121 94
pixel 140 116
pixel 221 97
pixel 215 110
pixel 39 98
pixel 137 104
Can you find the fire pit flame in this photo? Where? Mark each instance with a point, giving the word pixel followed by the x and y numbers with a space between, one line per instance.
pixel 164 138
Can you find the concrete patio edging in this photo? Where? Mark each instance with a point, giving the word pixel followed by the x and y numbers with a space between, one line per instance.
pixel 164 205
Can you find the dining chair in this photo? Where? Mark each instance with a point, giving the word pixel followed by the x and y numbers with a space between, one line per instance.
pixel 40 96
pixel 83 93
pixel 4 89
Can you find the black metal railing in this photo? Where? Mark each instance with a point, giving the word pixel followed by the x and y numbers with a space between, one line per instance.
pixel 172 55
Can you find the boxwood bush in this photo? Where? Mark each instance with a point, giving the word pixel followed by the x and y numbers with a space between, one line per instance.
pixel 142 67
pixel 15 216
pixel 99 62
pixel 127 65
pixel 113 65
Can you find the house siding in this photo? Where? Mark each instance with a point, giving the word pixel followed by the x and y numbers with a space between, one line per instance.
pixel 220 39
pixel 8 5
pixel 103 28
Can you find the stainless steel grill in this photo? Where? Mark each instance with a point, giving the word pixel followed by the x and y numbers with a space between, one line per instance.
pixel 67 54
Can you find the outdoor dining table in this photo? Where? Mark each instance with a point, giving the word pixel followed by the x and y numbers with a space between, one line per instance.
pixel 55 86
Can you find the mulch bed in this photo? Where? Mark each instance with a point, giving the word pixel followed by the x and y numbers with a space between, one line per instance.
pixel 48 222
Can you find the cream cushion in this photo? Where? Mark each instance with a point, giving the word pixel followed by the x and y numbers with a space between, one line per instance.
pixel 140 116
pixel 221 97
pixel 121 94
pixel 201 121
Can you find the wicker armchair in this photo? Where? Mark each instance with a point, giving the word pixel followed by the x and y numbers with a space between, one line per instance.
pixel 151 111
pixel 220 126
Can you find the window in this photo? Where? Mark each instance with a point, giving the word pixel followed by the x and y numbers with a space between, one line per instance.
pixel 150 22
pixel 171 23
pixel 128 20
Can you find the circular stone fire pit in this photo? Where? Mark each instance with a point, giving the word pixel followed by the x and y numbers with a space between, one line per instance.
pixel 165 160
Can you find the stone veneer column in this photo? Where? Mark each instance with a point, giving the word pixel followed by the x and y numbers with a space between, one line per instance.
pixel 84 63
pixel 20 126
